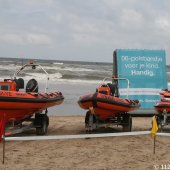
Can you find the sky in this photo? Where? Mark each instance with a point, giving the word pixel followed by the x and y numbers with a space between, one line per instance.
pixel 83 30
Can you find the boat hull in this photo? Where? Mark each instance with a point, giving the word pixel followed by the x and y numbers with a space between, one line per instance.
pixel 164 103
pixel 106 106
pixel 17 106
pixel 162 106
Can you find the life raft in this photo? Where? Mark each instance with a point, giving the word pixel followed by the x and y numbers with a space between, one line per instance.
pixel 105 104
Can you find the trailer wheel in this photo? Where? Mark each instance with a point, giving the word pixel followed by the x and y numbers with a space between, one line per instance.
pixel 89 120
pixel 127 123
pixel 43 121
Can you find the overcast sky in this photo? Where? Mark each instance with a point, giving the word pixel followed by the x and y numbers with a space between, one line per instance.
pixel 87 30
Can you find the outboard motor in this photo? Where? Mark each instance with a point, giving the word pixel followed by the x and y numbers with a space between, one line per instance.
pixel 32 86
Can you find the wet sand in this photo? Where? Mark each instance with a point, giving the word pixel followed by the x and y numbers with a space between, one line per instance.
pixel 130 152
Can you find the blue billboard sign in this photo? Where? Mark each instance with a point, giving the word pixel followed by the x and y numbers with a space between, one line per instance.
pixel 146 71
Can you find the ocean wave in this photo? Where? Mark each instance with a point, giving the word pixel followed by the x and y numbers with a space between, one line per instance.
pixel 54 68
pixel 57 63
pixel 58 77
pixel 9 67
pixel 67 68
pixel 76 81
pixel 73 72
pixel 75 69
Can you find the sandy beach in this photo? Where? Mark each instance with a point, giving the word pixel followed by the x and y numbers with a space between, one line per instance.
pixel 131 152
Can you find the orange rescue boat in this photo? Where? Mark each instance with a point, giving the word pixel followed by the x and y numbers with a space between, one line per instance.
pixel 19 106
pixel 163 109
pixel 105 106
pixel 164 103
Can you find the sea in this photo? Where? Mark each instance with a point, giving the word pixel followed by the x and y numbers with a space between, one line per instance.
pixel 72 78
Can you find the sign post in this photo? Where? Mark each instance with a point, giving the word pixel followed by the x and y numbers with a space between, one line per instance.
pixel 153 132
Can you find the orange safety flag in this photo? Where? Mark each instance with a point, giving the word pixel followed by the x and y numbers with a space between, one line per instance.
pixel 1 127
pixel 154 127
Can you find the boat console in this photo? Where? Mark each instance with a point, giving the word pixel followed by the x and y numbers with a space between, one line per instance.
pixel 8 85
pixel 107 89
pixel 104 89
pixel 12 84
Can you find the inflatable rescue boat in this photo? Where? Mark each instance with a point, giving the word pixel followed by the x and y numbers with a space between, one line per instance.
pixel 105 104
pixel 164 103
pixel 19 103
pixel 105 108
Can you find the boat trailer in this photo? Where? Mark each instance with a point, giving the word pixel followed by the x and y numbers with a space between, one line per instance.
pixel 163 119
pixel 40 122
pixel 93 123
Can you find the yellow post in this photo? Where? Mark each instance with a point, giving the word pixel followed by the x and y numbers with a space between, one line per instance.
pixel 154 131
